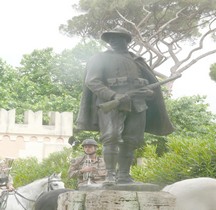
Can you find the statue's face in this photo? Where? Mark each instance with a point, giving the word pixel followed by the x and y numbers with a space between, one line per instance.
pixel 118 42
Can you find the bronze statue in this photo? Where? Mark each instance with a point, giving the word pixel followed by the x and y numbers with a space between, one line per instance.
pixel 121 78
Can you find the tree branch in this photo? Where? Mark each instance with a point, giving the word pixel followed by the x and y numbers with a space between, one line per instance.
pixel 196 60
pixel 146 18
pixel 166 24
pixel 147 45
pixel 200 45
pixel 125 19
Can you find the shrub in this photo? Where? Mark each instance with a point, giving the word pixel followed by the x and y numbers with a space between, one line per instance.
pixel 186 158
pixel 27 170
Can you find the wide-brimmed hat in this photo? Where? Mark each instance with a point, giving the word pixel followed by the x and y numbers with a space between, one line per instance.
pixel 118 30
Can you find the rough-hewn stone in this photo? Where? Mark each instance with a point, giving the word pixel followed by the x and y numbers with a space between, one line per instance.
pixel 115 200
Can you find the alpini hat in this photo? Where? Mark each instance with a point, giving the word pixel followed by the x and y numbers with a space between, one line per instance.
pixel 118 30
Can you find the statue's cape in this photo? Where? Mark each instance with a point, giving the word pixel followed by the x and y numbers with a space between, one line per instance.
pixel 157 121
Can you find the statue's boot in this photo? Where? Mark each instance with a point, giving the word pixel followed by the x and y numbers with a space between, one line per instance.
pixel 125 160
pixel 110 155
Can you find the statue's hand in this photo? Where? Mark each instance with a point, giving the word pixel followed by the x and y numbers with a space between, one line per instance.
pixel 123 98
pixel 123 102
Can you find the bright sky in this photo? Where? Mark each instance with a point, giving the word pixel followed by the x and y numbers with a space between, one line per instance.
pixel 33 24
pixel 196 81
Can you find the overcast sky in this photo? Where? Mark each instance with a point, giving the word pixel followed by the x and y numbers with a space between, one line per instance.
pixel 33 24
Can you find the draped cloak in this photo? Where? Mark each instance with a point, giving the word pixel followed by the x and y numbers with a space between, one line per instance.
pixel 157 120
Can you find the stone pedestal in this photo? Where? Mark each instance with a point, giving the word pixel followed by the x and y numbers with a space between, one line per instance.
pixel 136 186
pixel 117 198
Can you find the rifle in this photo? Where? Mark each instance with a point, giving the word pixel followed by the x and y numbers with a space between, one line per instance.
pixel 108 106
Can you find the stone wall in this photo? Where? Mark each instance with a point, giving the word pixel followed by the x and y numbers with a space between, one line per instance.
pixel 32 137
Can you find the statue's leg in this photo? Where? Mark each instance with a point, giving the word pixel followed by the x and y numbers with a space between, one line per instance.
pixel 133 138
pixel 125 160
pixel 110 155
pixel 111 126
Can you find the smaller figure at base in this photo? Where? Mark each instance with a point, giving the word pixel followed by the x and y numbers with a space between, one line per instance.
pixel 90 168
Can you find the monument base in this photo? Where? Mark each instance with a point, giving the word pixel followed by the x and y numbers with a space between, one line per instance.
pixel 135 186
pixel 115 200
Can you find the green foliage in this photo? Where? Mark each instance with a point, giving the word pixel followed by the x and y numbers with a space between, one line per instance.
pixel 8 80
pixel 27 170
pixel 190 115
pixel 187 158
pixel 101 15
pixel 45 80
pixel 212 73
pixel 39 85
pixel 59 162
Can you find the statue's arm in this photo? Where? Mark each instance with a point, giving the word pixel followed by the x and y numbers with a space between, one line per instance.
pixel 95 80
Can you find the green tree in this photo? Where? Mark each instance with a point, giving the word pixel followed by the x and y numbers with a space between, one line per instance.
pixel 190 115
pixel 187 153
pixel 161 29
pixel 190 118
pixel 36 88
pixel 9 79
pixel 213 72
pixel 46 80
pixel 186 158
pixel 26 170
pixel 70 66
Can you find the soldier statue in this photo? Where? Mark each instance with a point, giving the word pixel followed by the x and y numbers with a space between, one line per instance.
pixel 120 75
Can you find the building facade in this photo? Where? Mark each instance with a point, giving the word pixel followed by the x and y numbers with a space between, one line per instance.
pixel 32 138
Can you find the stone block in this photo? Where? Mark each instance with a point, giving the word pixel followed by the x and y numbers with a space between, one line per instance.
pixel 156 201
pixel 71 200
pixel 116 200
